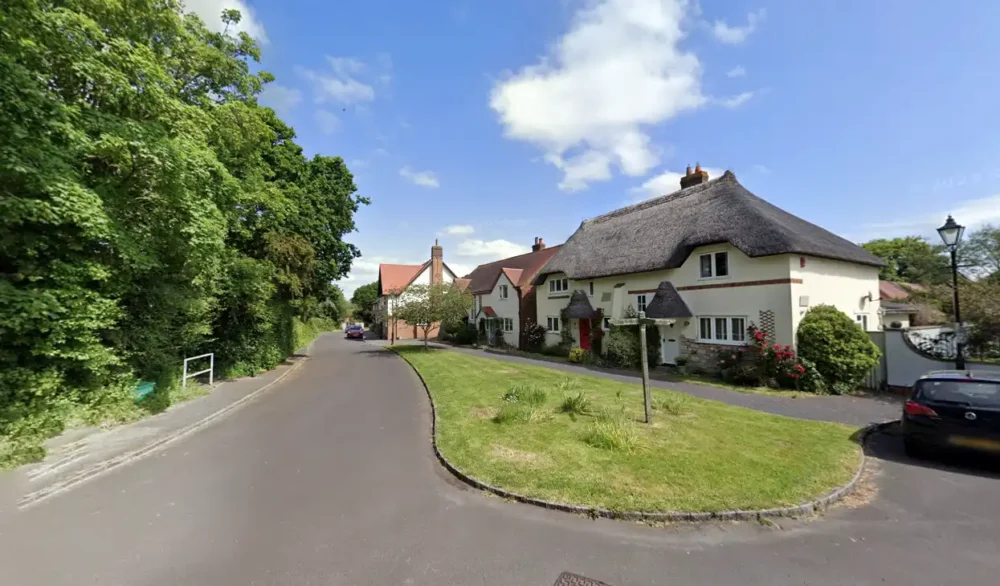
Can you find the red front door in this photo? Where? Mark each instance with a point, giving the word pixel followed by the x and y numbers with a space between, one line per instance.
pixel 585 334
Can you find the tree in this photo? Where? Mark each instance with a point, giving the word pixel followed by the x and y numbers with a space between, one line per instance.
pixel 981 252
pixel 428 305
pixel 150 208
pixel 363 299
pixel 910 260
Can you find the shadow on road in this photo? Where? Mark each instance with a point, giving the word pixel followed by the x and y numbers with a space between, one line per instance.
pixel 888 445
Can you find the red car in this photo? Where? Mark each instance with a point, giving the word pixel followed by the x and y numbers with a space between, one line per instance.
pixel 356 331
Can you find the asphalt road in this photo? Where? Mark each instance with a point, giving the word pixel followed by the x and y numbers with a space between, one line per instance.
pixel 329 479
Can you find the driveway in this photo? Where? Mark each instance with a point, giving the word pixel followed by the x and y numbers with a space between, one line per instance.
pixel 329 478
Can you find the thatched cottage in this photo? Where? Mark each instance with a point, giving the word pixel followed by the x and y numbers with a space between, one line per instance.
pixel 712 257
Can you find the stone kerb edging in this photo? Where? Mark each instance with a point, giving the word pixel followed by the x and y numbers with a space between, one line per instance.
pixel 813 506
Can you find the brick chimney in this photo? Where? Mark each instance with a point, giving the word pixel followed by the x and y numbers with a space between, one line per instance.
pixel 538 245
pixel 697 177
pixel 437 263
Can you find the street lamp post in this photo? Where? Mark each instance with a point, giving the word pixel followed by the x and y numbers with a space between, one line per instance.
pixel 951 234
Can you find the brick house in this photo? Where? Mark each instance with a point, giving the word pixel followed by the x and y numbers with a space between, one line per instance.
pixel 394 280
pixel 503 296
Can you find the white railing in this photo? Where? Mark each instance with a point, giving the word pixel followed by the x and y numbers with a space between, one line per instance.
pixel 210 370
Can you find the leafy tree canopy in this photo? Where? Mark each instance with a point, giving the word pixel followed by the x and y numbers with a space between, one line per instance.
pixel 362 300
pixel 150 208
pixel 910 260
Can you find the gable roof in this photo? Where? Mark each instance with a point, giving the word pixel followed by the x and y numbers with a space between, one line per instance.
pixel 397 277
pixel 661 233
pixel 394 278
pixel 519 269
pixel 667 303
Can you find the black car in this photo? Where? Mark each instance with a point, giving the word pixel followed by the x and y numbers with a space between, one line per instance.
pixel 953 410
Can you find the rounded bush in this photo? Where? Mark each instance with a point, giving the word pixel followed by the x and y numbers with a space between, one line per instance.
pixel 841 351
pixel 577 355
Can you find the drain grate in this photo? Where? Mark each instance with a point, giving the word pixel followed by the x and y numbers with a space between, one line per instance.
pixel 568 579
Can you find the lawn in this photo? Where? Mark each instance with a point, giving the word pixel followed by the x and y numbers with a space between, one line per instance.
pixel 698 455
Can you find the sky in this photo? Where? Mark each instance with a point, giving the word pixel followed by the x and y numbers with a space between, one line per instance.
pixel 487 124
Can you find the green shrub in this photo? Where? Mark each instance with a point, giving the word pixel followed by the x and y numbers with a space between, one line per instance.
pixel 842 353
pixel 534 337
pixel 578 404
pixel 613 431
pixel 465 337
pixel 556 350
pixel 811 380
pixel 578 355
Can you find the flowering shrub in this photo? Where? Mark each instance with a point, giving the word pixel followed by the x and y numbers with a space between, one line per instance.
pixel 578 355
pixel 534 336
pixel 767 364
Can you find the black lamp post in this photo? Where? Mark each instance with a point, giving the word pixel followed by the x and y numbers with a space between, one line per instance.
pixel 951 233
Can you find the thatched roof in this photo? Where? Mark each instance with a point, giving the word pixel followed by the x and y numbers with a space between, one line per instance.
pixel 892 307
pixel 579 306
pixel 662 232
pixel 667 303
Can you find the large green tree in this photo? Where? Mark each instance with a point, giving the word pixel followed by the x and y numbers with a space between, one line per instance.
pixel 150 208
pixel 910 259
pixel 430 306
pixel 363 299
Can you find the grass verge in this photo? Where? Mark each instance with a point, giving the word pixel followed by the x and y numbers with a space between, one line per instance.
pixel 698 455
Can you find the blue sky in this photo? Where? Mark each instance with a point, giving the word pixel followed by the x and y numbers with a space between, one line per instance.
pixel 486 124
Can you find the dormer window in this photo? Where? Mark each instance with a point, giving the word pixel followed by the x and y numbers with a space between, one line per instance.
pixel 714 265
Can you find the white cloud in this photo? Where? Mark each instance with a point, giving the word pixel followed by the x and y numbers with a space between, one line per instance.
pixel 492 248
pixel 762 169
pixel 972 214
pixel 327 121
pixel 738 71
pixel 358 163
pixel 421 178
pixel 210 11
pixel 666 182
pixel 280 98
pixel 587 105
pixel 736 101
pixel 458 230
pixel 341 83
pixel 382 152
pixel 734 35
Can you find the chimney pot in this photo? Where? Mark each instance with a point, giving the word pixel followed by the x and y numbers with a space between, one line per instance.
pixel 539 245
pixel 687 172
pixel 698 177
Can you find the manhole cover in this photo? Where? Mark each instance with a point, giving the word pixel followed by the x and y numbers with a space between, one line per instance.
pixel 568 579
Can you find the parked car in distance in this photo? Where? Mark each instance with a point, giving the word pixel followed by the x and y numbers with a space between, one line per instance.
pixel 953 410
pixel 356 331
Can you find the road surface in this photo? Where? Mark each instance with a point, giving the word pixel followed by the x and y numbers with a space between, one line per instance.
pixel 329 479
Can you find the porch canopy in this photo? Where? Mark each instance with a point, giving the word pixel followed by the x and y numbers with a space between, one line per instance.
pixel 579 306
pixel 667 303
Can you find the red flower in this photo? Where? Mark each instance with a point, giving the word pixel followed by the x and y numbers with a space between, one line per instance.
pixel 777 346
pixel 788 348
pixel 759 336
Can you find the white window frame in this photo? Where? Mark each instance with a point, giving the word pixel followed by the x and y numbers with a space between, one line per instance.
pixel 729 327
pixel 552 324
pixel 641 302
pixel 862 320
pixel 508 324
pixel 502 291
pixel 713 264
pixel 606 324
pixel 558 285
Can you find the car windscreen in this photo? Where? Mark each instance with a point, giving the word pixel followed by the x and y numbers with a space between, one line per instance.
pixel 355 328
pixel 965 392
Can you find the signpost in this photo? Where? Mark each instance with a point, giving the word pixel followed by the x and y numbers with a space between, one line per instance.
pixel 642 321
pixel 646 398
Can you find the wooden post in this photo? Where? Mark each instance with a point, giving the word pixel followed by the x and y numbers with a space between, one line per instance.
pixel 647 399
